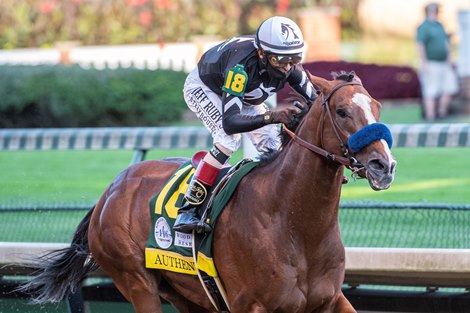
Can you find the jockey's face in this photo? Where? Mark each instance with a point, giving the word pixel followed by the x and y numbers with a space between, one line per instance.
pixel 284 61
pixel 281 62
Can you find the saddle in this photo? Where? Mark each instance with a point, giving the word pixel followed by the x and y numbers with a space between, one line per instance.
pixel 191 254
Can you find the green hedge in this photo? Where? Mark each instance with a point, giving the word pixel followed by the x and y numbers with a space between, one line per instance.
pixel 70 96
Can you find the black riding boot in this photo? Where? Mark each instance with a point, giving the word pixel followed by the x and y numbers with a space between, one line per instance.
pixel 188 219
pixel 188 215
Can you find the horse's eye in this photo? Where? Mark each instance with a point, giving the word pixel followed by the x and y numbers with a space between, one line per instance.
pixel 342 113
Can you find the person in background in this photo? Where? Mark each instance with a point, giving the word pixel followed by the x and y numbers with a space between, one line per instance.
pixel 438 78
pixel 227 91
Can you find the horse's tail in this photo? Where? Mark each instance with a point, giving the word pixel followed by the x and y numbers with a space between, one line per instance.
pixel 61 272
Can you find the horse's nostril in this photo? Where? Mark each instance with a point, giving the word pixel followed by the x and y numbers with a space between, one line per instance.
pixel 377 165
pixel 393 166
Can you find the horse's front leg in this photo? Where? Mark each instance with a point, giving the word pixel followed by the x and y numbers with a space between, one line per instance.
pixel 343 306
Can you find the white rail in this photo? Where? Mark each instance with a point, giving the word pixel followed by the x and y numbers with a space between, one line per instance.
pixel 381 266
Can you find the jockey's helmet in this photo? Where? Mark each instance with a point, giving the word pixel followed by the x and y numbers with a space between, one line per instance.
pixel 279 35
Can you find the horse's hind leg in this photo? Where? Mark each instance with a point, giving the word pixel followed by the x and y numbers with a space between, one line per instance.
pixel 139 288
pixel 143 288
pixel 182 304
pixel 123 261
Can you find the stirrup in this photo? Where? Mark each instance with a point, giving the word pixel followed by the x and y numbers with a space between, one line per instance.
pixel 187 219
pixel 203 227
pixel 199 226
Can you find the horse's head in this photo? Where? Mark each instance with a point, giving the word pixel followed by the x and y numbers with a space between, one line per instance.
pixel 349 126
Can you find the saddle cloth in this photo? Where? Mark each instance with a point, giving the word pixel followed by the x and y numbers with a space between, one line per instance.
pixel 170 250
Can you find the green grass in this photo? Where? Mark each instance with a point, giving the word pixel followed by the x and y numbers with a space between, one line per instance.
pixel 58 176
pixel 409 112
pixel 428 174
pixel 404 228
pixel 66 176
pixel 81 176
pixel 406 114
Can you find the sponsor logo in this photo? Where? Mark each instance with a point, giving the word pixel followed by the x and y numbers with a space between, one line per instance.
pixel 205 110
pixel 162 233
pixel 291 43
pixel 290 37
pixel 183 240
pixel 174 263
pixel 198 193
pixel 160 259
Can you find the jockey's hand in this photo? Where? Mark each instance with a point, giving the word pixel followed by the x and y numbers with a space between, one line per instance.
pixel 285 114
pixel 302 106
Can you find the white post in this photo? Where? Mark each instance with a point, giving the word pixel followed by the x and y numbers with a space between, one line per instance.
pixel 463 64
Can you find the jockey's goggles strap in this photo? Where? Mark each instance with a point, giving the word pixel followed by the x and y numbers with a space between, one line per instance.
pixel 283 60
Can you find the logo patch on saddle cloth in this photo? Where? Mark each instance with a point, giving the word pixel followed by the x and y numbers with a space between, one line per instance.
pixel 171 250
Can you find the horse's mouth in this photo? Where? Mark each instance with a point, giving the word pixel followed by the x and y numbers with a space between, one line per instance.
pixel 379 181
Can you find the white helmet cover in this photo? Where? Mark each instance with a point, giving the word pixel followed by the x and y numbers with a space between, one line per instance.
pixel 279 35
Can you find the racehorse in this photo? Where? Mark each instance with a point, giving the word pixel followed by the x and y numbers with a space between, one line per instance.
pixel 277 245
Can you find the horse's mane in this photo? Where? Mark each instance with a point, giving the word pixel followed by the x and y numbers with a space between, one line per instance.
pixel 344 76
pixel 269 155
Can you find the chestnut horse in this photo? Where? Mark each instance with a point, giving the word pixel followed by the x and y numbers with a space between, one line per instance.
pixel 277 244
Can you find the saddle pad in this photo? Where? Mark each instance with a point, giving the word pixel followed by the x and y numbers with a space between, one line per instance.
pixel 172 250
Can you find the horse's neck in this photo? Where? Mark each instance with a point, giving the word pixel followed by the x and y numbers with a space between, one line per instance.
pixel 313 176
pixel 311 181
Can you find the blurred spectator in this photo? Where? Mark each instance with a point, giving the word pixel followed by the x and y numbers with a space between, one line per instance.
pixel 438 78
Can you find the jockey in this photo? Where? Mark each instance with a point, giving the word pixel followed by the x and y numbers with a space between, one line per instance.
pixel 227 91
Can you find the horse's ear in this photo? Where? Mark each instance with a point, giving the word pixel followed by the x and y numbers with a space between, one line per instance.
pixel 353 77
pixel 321 83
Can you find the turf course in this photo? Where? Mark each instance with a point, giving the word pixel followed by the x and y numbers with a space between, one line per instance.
pixel 430 175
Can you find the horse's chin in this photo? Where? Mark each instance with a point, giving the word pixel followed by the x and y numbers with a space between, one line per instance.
pixel 379 182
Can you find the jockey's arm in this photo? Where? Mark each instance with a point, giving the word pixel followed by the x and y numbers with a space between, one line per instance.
pixel 233 121
pixel 300 83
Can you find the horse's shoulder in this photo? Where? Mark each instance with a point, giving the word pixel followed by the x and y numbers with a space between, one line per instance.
pixel 155 167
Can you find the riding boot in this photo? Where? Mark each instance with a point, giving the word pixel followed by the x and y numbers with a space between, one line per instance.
pixel 188 215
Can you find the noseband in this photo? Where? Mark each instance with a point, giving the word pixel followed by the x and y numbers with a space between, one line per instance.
pixel 347 159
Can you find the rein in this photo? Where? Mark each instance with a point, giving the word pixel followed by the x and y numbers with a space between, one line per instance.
pixel 347 160
pixel 317 149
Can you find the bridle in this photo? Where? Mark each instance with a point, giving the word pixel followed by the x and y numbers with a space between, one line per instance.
pixel 347 159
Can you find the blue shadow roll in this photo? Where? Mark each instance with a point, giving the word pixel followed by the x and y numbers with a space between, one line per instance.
pixel 368 134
